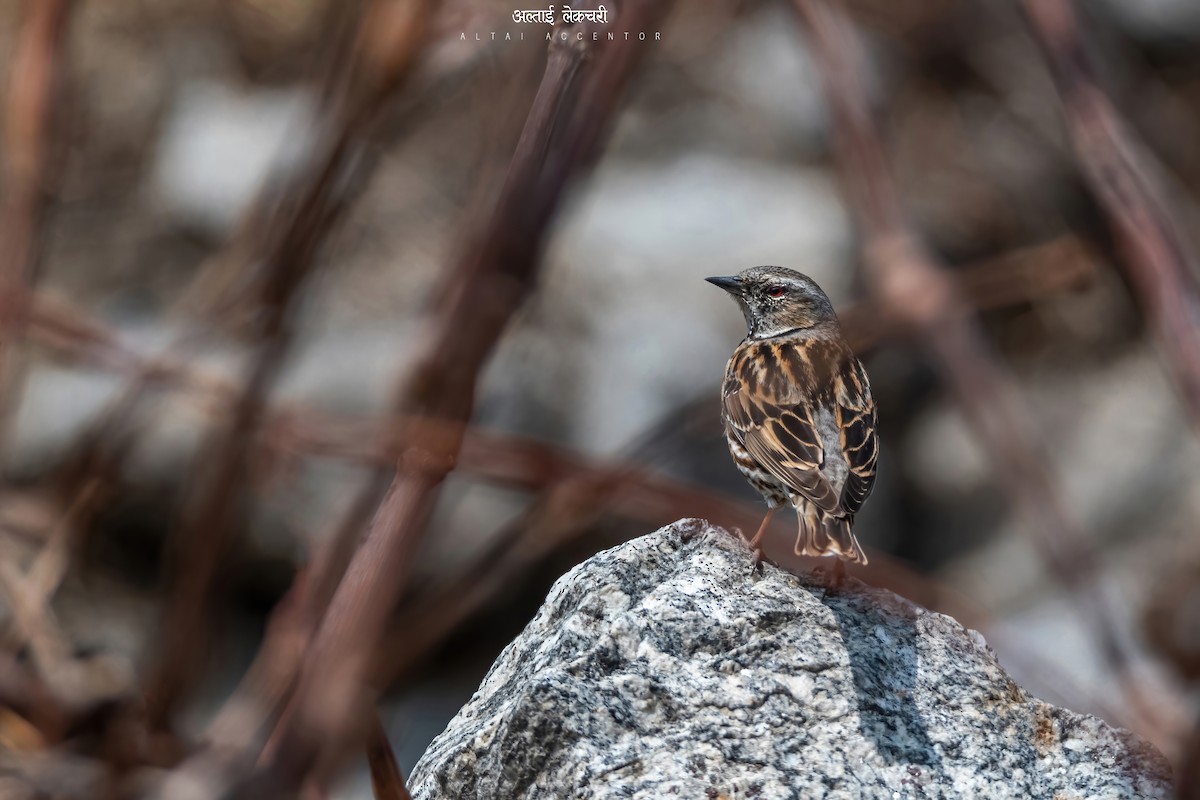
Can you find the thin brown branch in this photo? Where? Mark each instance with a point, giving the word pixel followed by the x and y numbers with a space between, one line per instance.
pixel 238 732
pixel 65 685
pixel 915 291
pixel 270 678
pixel 71 333
pixel 1159 263
pixel 386 780
pixel 1026 275
pixel 50 648
pixel 295 432
pixel 25 165
pixel 486 288
pixel 73 684
pixel 1189 776
pixel 299 216
pixel 26 694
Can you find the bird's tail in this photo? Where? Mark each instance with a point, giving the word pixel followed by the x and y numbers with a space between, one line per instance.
pixel 823 534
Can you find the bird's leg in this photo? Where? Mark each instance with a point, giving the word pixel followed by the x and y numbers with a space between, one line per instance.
pixel 762 529
pixel 758 535
pixel 837 576
pixel 839 572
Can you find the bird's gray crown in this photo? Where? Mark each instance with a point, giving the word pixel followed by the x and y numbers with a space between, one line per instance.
pixel 777 300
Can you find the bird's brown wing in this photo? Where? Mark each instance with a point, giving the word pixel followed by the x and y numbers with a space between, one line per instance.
pixel 856 422
pixel 768 407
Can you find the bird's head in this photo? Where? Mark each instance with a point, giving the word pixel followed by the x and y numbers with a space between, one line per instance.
pixel 776 300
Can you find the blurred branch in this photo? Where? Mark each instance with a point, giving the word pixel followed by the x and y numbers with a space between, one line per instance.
pixel 386 780
pixel 274 248
pixel 33 82
pixel 1026 275
pixel 1168 618
pixel 914 291
pixel 238 732
pixel 298 216
pixel 70 332
pixel 65 685
pixel 569 481
pixel 23 693
pixel 1189 778
pixel 1157 257
pixel 485 288
pixel 74 683
pixel 49 648
pixel 270 677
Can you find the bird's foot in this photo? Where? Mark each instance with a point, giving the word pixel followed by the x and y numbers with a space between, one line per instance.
pixel 756 551
pixel 839 575
pixel 833 579
pixel 760 558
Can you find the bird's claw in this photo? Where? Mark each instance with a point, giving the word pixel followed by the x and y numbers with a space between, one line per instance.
pixel 756 551
pixel 760 559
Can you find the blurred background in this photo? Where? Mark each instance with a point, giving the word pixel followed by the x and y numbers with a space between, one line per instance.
pixel 257 253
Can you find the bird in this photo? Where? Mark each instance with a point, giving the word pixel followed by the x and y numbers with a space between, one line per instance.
pixel 799 418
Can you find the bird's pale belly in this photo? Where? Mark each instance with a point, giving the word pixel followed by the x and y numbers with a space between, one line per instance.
pixel 772 490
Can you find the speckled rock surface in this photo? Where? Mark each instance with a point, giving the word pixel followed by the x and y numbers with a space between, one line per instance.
pixel 662 668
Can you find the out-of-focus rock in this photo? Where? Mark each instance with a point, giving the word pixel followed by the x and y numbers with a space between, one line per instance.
pixel 339 369
pixel 219 146
pixel 769 43
pixel 665 667
pixel 1157 19
pixel 1086 418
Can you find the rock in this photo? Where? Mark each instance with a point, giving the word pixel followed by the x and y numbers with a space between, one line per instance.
pixel 665 668
pixel 219 147
pixel 771 37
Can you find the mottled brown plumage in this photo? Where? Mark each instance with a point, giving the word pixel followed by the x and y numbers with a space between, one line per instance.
pixel 799 417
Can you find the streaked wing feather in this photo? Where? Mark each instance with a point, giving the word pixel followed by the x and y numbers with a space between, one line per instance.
pixel 857 428
pixel 777 429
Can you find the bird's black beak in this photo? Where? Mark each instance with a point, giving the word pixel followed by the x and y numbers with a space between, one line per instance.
pixel 730 283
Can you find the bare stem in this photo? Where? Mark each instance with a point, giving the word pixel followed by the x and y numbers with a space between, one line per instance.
pixel 915 291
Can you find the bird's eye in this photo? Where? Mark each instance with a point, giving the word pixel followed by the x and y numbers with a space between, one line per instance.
pixel 776 291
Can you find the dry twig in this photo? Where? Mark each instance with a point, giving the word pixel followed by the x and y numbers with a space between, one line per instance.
pixel 74 335
pixel 73 683
pixel 487 286
pixel 916 293
pixel 33 84
pixel 386 780
pixel 298 217
pixel 1157 259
